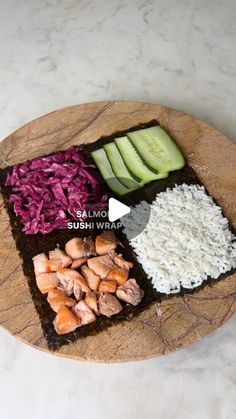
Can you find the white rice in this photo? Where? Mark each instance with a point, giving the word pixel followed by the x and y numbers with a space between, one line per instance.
pixel 186 239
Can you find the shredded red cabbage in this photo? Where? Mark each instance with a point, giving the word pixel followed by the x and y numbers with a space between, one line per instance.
pixel 48 191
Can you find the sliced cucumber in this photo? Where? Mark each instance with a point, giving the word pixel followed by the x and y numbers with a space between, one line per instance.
pixel 157 149
pixel 103 164
pixel 134 162
pixel 119 167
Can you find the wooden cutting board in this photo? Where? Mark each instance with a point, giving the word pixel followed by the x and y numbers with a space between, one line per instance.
pixel 163 328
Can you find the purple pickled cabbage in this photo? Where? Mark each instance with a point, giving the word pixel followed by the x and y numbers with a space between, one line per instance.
pixel 48 191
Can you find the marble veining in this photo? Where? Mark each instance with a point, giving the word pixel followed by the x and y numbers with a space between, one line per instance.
pixel 182 54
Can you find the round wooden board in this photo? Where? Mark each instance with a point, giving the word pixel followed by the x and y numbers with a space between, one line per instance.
pixel 161 329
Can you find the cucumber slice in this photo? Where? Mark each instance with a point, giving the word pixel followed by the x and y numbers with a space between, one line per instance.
pixel 134 162
pixel 119 167
pixel 103 164
pixel 157 149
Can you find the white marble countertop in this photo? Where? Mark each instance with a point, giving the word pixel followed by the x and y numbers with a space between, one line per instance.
pixel 57 53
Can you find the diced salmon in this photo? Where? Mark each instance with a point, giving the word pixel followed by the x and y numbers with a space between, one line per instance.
pixel 101 265
pixel 92 279
pixel 74 248
pixel 66 287
pixel 46 281
pixel 69 275
pixel 41 263
pixel 120 275
pixel 77 290
pixel 65 321
pixel 66 283
pixel 108 305
pixel 121 262
pixel 78 262
pixel 130 292
pixel 83 283
pixel 89 247
pixel 55 264
pixel 105 242
pixel 58 298
pixel 78 248
pixel 91 300
pixel 107 286
pixel 58 259
pixel 84 313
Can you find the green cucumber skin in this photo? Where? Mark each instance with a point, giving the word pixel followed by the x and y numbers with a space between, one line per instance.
pixel 134 162
pixel 118 166
pixel 103 164
pixel 157 149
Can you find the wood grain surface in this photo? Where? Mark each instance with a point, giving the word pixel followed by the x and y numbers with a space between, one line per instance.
pixel 163 328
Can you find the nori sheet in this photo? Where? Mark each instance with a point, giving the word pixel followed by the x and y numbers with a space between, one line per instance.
pixel 30 245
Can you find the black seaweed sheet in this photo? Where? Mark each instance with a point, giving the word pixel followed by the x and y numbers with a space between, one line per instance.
pixel 30 245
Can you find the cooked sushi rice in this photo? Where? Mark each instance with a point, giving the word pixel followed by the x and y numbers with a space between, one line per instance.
pixel 186 240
